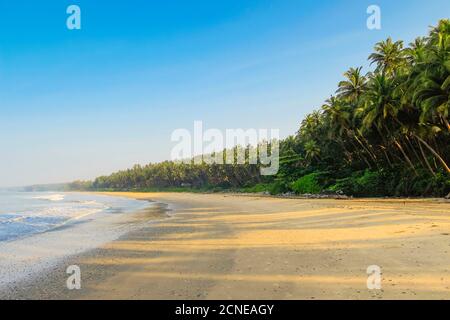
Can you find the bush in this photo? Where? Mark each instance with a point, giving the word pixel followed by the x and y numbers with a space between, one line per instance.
pixel 307 184
pixel 344 185
pixel 423 185
pixel 258 188
pixel 401 183
pixel 362 183
pixel 278 187
pixel 369 184
pixel 274 188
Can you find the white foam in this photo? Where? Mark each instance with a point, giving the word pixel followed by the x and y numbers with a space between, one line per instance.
pixel 51 197
pixel 24 258
pixel 39 234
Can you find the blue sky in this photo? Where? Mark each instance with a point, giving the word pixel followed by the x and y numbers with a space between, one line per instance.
pixel 76 104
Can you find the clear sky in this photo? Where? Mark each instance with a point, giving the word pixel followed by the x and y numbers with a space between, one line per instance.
pixel 76 104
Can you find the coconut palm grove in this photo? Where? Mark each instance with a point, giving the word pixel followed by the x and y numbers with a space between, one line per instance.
pixel 382 133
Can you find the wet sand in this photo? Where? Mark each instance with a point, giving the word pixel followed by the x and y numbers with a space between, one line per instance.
pixel 220 246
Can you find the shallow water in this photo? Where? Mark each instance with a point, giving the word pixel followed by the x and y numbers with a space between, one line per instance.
pixel 39 230
pixel 28 213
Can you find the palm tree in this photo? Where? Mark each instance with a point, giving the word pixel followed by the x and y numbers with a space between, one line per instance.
pixel 416 53
pixel 309 126
pixel 337 114
pixel 432 88
pixel 389 57
pixel 433 97
pixel 386 119
pixel 312 151
pixel 354 86
pixel 439 34
pixel 380 102
pixel 381 110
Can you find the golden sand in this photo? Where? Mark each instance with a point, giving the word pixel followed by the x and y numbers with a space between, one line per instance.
pixel 221 246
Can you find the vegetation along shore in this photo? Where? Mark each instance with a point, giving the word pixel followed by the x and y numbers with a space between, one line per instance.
pixel 383 133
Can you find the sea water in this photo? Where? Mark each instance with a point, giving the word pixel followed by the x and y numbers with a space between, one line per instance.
pixel 41 230
pixel 27 213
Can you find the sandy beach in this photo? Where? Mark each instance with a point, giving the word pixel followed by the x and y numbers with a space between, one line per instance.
pixel 220 246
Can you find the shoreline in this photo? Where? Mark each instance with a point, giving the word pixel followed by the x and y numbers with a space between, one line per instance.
pixel 224 246
pixel 29 259
pixel 130 194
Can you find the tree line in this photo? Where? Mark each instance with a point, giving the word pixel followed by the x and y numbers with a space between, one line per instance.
pixel 382 133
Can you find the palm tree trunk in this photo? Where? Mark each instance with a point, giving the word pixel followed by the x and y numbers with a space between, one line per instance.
pixel 346 152
pixel 369 146
pixel 365 148
pixel 426 160
pixel 360 154
pixel 413 150
pixel 387 157
pixel 444 164
pixel 406 156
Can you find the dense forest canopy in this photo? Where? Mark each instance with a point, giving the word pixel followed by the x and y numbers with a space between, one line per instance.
pixel 383 133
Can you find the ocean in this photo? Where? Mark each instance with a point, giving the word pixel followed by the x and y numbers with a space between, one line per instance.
pixel 24 214
pixel 39 230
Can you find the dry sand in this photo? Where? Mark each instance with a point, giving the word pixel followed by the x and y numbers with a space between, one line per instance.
pixel 248 247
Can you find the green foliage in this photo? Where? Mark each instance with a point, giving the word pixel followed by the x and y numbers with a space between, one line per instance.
pixel 363 183
pixel 79 185
pixel 257 188
pixel 274 188
pixel 308 184
pixel 278 187
pixel 384 133
pixel 421 185
pixel 369 183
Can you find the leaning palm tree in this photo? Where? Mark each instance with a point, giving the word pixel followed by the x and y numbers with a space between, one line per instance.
pixel 380 102
pixel 431 92
pixel 381 113
pixel 339 113
pixel 432 87
pixel 433 97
